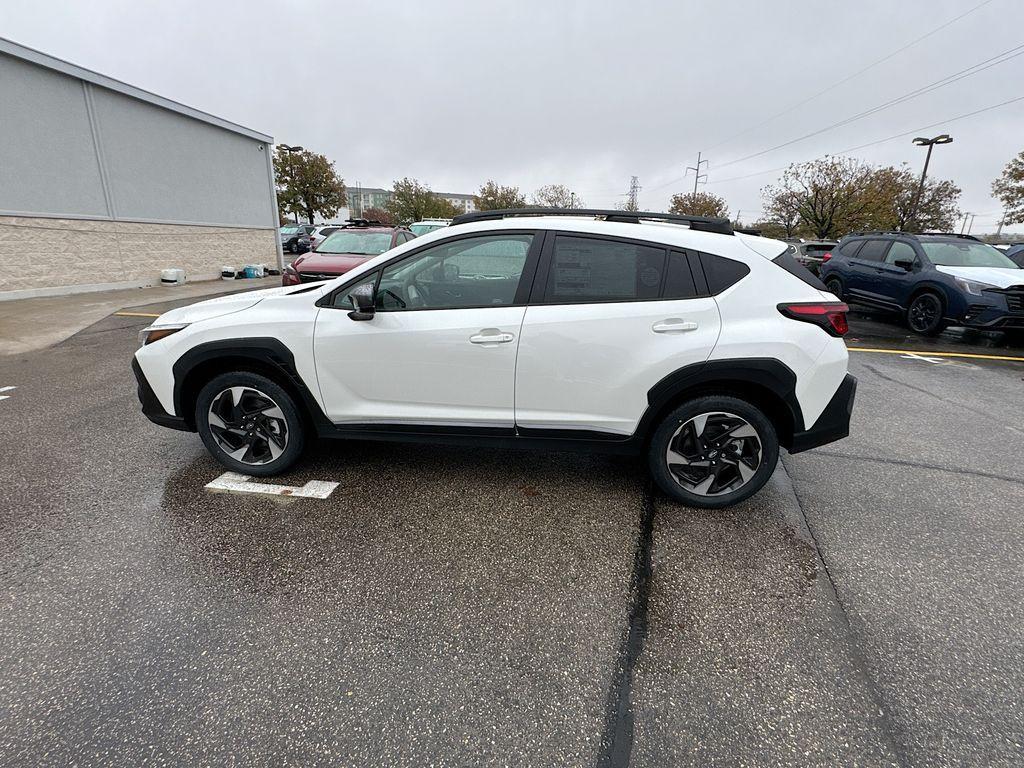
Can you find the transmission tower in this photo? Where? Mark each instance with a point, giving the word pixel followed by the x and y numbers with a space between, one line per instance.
pixel 699 178
pixel 632 201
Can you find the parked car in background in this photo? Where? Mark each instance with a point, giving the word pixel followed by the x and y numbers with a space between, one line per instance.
pixel 662 336
pixel 428 225
pixel 1015 253
pixel 295 237
pixel 933 280
pixel 347 247
pixel 318 234
pixel 812 253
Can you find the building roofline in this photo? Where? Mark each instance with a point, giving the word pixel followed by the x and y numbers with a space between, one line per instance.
pixel 33 56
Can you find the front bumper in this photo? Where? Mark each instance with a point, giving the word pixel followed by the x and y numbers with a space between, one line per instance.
pixel 834 422
pixel 151 407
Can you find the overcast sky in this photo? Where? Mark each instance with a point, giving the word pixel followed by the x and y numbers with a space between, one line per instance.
pixel 584 93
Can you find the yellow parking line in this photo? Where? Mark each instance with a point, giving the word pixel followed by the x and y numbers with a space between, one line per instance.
pixel 929 353
pixel 135 314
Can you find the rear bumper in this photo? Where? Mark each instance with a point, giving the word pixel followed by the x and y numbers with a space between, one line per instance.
pixel 834 422
pixel 151 407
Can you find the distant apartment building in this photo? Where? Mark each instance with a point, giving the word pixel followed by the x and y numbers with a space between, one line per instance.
pixel 362 198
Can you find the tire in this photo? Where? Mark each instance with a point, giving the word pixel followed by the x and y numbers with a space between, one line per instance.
pixel 835 287
pixel 270 433
pixel 293 246
pixel 687 433
pixel 925 314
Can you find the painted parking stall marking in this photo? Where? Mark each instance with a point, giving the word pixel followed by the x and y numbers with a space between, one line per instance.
pixel 5 390
pixel 233 482
pixel 929 353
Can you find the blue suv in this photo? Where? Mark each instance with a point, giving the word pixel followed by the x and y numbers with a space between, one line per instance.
pixel 933 280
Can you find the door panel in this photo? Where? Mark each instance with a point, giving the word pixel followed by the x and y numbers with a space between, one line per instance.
pixel 446 366
pixel 589 366
pixel 894 284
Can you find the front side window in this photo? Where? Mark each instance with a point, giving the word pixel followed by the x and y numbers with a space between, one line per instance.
pixel 900 252
pixel 966 254
pixel 587 269
pixel 343 299
pixel 470 272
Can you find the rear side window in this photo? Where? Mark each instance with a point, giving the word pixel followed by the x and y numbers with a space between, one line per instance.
pixel 795 268
pixel 849 248
pixel 587 269
pixel 873 250
pixel 721 273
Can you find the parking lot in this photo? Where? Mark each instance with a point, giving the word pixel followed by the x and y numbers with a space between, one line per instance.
pixel 467 607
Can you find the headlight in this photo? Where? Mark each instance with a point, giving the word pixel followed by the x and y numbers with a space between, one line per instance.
pixel 156 332
pixel 972 286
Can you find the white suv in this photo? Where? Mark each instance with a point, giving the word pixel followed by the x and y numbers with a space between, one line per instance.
pixel 647 333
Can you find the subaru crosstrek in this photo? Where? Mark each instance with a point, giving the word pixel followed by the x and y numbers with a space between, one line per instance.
pixel 933 280
pixel 653 334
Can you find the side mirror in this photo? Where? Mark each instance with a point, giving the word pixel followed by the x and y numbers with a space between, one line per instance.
pixel 905 264
pixel 362 299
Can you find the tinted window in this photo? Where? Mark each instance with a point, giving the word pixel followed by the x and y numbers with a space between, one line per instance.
pixel 679 283
pixel 873 250
pixel 472 272
pixel 795 268
pixel 850 247
pixel 722 273
pixel 586 269
pixel 900 252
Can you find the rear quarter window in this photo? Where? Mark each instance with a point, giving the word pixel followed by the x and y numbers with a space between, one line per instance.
pixel 795 268
pixel 722 273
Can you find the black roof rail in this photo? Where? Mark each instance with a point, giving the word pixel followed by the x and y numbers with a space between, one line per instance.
pixel 349 223
pixel 699 223
pixel 912 234
pixel 959 235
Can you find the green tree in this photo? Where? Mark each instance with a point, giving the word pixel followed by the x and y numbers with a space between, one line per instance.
pixel 937 208
pixel 307 185
pixel 557 196
pixel 411 201
pixel 698 204
pixel 492 197
pixel 1009 188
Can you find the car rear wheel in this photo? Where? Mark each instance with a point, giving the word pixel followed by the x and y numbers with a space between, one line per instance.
pixel 925 314
pixel 835 287
pixel 249 424
pixel 713 452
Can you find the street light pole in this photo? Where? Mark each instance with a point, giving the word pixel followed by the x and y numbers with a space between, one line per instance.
pixel 291 172
pixel 944 138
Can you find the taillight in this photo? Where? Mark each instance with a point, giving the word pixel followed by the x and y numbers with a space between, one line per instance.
pixel 830 317
pixel 825 257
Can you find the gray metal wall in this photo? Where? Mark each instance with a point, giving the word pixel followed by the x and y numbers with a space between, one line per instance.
pixel 71 148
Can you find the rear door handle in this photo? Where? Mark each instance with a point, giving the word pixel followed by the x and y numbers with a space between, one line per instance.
pixel 674 325
pixel 491 336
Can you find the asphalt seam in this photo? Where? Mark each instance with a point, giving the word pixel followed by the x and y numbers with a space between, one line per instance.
pixel 617 740
pixel 859 656
pixel 920 465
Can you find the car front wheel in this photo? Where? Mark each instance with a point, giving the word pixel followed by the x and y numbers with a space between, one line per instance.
pixel 713 452
pixel 835 287
pixel 249 423
pixel 924 315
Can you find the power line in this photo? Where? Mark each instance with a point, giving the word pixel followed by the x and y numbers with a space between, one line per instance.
pixel 974 69
pixel 848 78
pixel 881 141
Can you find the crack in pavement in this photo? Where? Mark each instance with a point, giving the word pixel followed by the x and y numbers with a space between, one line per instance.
pixel 617 741
pixel 920 465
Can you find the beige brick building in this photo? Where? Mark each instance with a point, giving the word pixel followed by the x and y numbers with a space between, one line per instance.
pixel 103 185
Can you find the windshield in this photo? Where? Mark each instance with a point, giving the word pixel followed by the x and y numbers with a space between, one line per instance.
pixel 290 230
pixel 360 243
pixel 966 254
pixel 422 229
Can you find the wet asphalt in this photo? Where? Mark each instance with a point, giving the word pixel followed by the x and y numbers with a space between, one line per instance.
pixel 464 607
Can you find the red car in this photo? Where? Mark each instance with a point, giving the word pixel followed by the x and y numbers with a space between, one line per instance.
pixel 347 247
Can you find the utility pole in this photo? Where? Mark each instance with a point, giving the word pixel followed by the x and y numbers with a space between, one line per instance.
pixel 964 225
pixel 999 232
pixel 698 176
pixel 971 225
pixel 632 199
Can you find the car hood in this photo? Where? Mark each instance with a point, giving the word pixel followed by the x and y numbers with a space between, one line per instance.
pixel 1000 277
pixel 330 264
pixel 222 305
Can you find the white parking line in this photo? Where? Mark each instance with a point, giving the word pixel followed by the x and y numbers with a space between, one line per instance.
pixel 6 389
pixel 232 482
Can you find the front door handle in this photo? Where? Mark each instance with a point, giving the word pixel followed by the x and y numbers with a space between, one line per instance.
pixel 491 336
pixel 674 325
